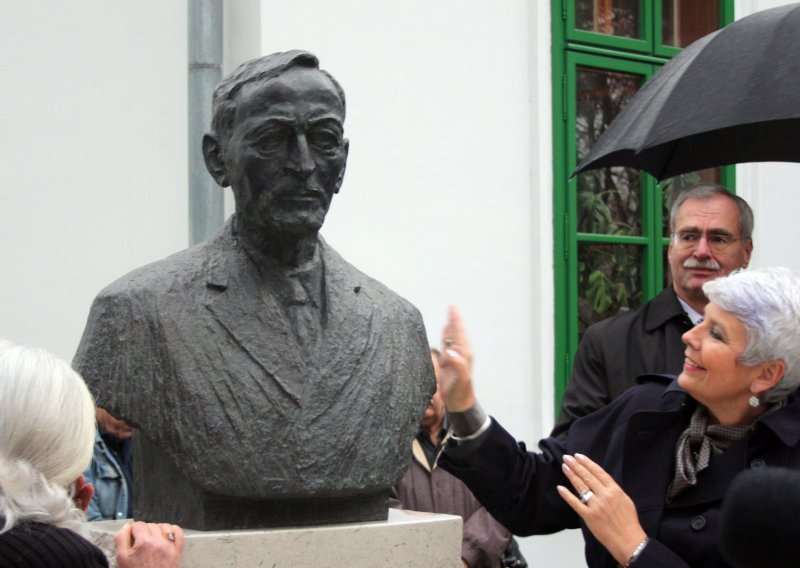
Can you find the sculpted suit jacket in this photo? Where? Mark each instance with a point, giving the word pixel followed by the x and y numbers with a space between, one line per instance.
pixel 615 351
pixel 633 439
pixel 197 352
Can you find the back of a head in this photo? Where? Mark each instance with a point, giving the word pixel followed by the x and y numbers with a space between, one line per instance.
pixel 46 428
pixel 759 525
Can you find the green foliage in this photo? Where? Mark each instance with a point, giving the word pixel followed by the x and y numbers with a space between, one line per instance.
pixel 609 275
pixel 603 293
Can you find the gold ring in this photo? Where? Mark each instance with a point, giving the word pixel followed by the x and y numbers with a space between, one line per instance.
pixel 169 536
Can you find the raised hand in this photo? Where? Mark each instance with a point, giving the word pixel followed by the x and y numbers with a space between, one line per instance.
pixel 456 364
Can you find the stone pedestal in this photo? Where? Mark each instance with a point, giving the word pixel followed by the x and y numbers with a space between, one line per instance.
pixel 407 539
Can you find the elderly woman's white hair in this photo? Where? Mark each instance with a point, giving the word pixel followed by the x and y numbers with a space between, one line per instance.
pixel 47 430
pixel 767 302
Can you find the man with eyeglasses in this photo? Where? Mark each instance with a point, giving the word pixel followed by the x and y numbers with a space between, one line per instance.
pixel 711 236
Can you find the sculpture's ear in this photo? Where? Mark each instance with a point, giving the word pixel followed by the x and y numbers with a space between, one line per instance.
pixel 215 163
pixel 340 178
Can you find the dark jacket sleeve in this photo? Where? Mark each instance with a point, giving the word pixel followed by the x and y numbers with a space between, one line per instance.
pixel 517 487
pixel 656 555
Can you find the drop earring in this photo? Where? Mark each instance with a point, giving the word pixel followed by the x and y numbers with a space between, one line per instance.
pixel 753 401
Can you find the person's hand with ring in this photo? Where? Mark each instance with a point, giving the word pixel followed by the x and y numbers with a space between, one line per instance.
pixel 605 508
pixel 155 545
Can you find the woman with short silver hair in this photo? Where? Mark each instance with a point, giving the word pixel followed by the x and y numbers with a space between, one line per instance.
pixel 767 302
pixel 47 431
pixel 649 471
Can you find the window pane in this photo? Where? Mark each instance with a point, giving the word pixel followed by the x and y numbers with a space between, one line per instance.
pixel 611 17
pixel 609 280
pixel 671 187
pixel 609 199
pixel 684 21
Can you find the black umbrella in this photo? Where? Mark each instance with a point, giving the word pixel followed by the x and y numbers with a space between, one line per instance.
pixel 732 96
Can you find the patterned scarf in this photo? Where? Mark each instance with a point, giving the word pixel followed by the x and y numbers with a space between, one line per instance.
pixel 697 445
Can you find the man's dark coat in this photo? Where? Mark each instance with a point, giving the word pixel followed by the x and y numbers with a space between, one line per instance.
pixel 615 351
pixel 633 439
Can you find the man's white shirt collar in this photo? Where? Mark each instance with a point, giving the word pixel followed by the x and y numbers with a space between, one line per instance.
pixel 693 314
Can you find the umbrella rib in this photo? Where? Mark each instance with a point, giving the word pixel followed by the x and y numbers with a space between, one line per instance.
pixel 672 148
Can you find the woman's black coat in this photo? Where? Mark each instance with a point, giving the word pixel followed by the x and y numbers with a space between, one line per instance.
pixel 633 439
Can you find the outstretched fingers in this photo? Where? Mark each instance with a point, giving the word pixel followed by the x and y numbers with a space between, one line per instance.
pixel 454 334
pixel 456 365
pixel 607 510
pixel 594 470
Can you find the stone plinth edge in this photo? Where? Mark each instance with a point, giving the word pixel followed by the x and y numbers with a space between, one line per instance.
pixel 408 539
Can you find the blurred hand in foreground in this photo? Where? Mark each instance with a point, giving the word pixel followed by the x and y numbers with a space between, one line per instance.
pixel 149 545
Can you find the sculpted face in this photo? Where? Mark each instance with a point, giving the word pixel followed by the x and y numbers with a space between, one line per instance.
pixel 286 154
pixel 701 253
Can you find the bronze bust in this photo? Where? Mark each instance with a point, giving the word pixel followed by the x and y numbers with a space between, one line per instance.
pixel 271 383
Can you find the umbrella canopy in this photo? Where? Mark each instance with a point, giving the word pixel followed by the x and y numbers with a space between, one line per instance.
pixel 732 96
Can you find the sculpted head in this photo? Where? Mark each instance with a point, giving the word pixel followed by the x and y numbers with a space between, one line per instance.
pixel 278 140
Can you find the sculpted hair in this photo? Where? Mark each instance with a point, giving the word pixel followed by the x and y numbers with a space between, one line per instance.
pixel 261 69
pixel 705 191
pixel 47 429
pixel 767 302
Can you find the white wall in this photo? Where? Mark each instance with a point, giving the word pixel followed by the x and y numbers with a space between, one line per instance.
pixel 94 153
pixel 773 191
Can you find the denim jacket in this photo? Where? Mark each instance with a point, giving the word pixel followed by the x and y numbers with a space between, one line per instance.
pixel 111 489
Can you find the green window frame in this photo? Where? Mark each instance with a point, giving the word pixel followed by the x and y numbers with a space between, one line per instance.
pixel 574 50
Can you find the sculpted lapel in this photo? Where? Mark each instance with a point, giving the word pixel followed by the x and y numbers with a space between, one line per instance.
pixel 255 317
pixel 256 321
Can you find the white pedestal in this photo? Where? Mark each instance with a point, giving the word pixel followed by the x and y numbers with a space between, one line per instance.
pixel 408 539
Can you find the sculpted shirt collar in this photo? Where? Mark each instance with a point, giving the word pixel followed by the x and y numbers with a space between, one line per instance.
pixel 693 314
pixel 302 284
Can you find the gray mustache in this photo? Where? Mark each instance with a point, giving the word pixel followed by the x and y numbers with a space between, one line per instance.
pixel 709 264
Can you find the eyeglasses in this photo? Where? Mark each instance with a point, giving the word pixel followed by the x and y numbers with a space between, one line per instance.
pixel 717 242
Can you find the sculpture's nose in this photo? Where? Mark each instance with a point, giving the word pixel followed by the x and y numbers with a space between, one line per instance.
pixel 301 160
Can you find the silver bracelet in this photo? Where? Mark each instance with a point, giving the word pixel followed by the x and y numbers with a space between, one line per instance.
pixel 637 552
